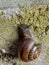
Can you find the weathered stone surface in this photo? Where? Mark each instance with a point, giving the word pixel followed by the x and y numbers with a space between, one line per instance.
pixel 39 16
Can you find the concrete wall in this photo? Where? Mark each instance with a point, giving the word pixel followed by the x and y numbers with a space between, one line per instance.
pixel 14 3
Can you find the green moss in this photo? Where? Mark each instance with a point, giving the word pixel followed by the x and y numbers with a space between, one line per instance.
pixel 1 13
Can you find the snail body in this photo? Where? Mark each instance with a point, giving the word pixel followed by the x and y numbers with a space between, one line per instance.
pixel 24 32
pixel 28 50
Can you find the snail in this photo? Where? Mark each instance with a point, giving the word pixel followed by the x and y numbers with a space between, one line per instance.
pixel 28 49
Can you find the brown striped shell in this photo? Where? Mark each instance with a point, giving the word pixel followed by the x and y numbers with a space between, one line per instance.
pixel 29 50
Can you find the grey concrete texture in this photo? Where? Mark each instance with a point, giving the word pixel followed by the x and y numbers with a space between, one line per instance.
pixel 17 3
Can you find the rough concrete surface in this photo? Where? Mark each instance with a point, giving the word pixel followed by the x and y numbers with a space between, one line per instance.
pixel 11 14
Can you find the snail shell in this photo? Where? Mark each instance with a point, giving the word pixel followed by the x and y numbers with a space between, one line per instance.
pixel 29 50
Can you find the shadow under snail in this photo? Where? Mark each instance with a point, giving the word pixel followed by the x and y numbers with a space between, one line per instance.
pixel 28 50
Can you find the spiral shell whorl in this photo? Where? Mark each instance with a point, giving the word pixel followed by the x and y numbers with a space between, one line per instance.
pixel 27 50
